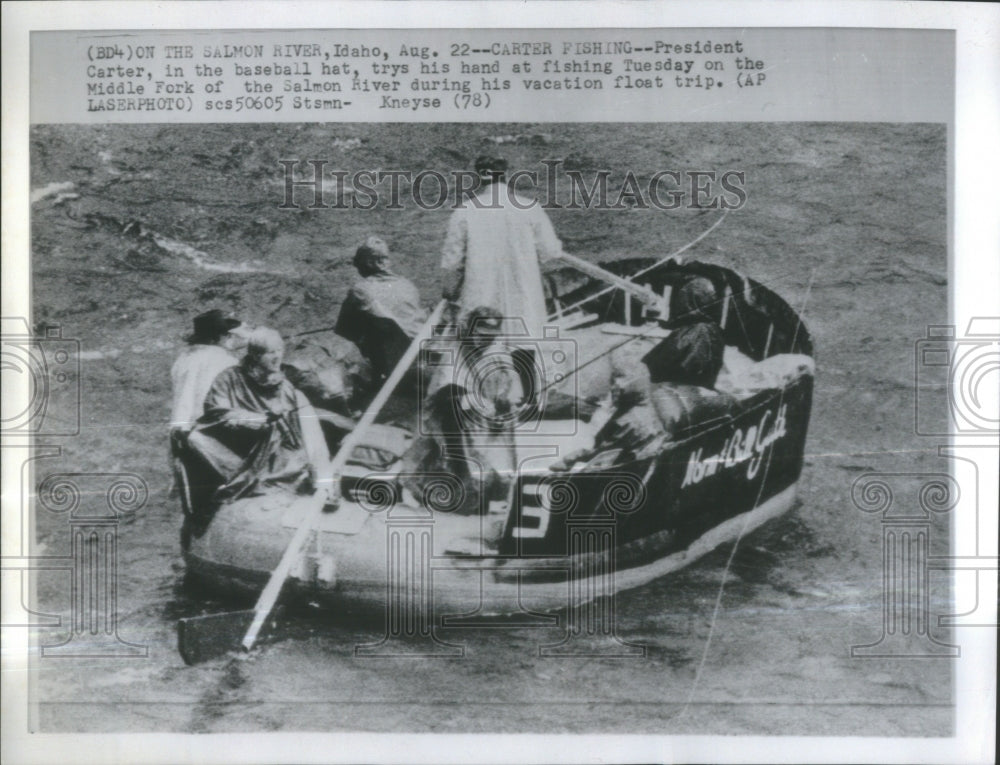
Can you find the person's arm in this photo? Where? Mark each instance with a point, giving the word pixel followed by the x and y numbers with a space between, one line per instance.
pixel 239 419
pixel 220 410
pixel 350 317
pixel 547 244
pixel 453 256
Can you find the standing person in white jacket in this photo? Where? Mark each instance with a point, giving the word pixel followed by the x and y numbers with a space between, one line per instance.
pixel 495 244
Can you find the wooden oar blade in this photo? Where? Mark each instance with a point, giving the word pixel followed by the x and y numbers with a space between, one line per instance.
pixel 201 638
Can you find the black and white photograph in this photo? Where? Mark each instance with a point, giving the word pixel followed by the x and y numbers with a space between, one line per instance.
pixel 443 424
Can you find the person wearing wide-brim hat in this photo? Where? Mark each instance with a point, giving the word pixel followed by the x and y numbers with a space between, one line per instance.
pixel 211 327
pixel 210 349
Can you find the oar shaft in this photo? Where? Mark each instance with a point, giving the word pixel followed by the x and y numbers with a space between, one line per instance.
pixel 643 293
pixel 269 596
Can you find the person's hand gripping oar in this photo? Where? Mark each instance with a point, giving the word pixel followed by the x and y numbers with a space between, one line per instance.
pixel 204 637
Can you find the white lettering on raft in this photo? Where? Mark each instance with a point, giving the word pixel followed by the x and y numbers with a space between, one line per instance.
pixel 737 449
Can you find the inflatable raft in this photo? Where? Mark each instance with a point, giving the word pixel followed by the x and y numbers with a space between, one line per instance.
pixel 566 533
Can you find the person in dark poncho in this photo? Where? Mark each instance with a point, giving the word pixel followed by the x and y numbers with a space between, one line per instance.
pixel 692 354
pixel 258 432
pixel 382 312
pixel 684 367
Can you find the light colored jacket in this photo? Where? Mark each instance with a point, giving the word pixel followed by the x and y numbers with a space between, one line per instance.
pixel 192 375
pixel 498 248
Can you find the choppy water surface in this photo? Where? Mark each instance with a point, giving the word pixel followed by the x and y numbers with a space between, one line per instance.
pixel 847 222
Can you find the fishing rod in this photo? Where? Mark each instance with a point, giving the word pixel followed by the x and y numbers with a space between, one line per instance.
pixel 310 332
pixel 643 271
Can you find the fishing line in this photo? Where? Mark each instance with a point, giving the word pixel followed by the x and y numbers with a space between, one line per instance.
pixel 732 553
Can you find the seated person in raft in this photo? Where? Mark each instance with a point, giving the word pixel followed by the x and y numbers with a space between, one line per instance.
pixel 258 432
pixel 467 421
pixel 682 373
pixel 382 313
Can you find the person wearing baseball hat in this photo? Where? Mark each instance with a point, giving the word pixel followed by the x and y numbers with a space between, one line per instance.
pixel 468 420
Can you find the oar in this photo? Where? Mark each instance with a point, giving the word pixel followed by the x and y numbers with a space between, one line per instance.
pixel 642 292
pixel 202 637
